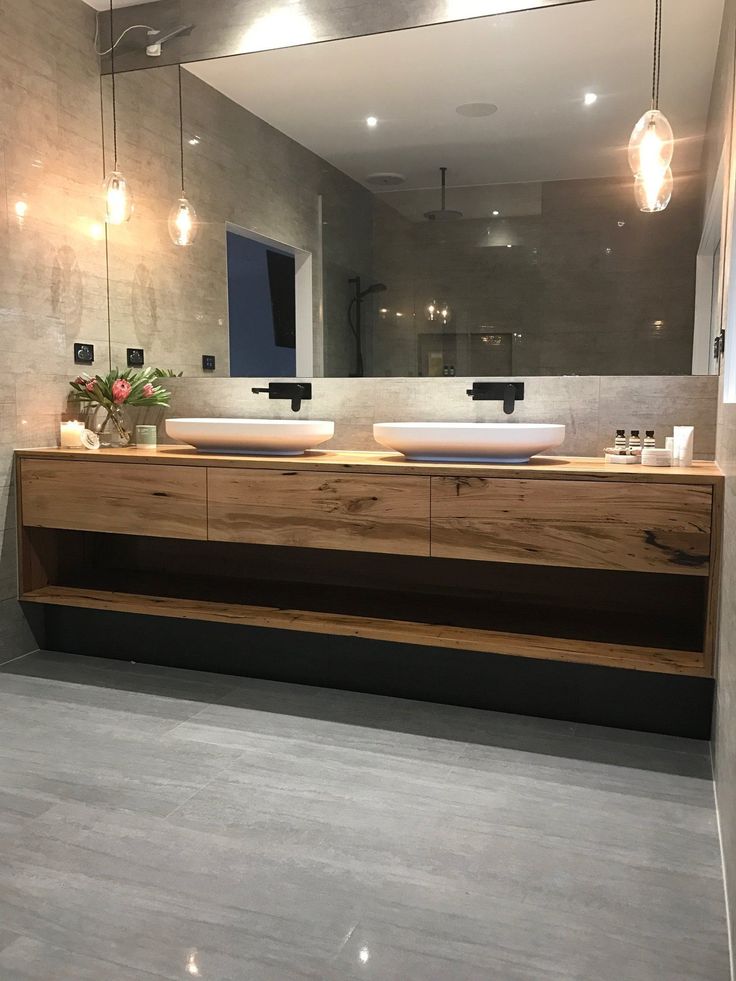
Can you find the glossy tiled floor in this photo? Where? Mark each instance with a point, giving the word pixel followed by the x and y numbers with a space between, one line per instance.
pixel 166 824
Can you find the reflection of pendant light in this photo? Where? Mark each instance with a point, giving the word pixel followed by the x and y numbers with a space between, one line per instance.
pixel 118 197
pixel 437 312
pixel 182 217
pixel 652 142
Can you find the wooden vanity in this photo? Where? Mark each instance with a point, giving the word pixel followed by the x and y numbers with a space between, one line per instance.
pixel 563 559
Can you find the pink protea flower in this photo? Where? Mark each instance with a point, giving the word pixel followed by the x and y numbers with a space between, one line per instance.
pixel 120 390
pixel 80 380
pixel 147 391
pixel 90 386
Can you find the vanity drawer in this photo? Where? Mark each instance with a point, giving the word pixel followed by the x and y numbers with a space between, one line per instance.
pixel 360 512
pixel 581 524
pixel 123 498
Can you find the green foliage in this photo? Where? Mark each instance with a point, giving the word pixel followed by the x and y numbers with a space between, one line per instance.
pixel 102 389
pixel 167 373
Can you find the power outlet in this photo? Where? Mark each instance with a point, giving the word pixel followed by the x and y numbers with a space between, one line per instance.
pixel 208 362
pixel 135 357
pixel 84 354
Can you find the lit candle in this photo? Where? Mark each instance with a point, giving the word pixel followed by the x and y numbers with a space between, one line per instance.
pixel 71 435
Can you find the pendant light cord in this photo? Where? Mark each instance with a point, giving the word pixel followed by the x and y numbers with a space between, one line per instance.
pixel 181 134
pixel 657 53
pixel 114 108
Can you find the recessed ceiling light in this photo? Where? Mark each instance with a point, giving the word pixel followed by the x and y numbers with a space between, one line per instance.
pixel 371 122
pixel 509 245
pixel 385 179
pixel 590 98
pixel 476 109
pixel 495 213
pixel 194 141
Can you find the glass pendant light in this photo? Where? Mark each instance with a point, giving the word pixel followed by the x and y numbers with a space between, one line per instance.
pixel 653 193
pixel 118 196
pixel 652 144
pixel 182 217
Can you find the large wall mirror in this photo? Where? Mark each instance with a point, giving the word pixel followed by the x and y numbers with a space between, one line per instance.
pixel 325 242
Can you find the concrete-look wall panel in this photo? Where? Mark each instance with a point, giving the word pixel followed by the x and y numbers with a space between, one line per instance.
pixel 591 407
pixel 53 288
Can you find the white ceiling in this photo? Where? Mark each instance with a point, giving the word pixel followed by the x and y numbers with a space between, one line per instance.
pixel 534 65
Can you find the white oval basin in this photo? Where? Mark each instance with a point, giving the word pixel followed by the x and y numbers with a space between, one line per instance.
pixel 469 442
pixel 258 437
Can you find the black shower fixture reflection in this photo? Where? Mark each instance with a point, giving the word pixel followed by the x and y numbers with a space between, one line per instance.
pixel 355 319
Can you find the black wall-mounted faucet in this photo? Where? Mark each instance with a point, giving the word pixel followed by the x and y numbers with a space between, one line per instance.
pixel 296 391
pixel 507 392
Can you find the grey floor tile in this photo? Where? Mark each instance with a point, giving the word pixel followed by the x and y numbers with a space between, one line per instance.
pixel 277 832
pixel 7 937
pixel 101 764
pixel 28 959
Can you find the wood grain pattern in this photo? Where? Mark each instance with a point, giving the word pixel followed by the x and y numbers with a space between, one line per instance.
pixel 345 461
pixel 647 527
pixel 319 510
pixel 92 496
pixel 396 631
pixel 714 582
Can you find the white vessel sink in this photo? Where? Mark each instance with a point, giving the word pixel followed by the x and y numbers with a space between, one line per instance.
pixel 257 437
pixel 470 442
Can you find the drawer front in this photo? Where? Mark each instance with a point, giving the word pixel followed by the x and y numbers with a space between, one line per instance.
pixel 363 513
pixel 582 524
pixel 123 498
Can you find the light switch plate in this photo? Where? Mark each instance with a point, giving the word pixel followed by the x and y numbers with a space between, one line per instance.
pixel 136 357
pixel 84 354
pixel 208 362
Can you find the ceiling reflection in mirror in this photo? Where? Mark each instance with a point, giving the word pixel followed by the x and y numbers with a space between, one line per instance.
pixel 448 200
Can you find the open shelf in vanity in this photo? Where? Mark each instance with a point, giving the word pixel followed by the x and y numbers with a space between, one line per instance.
pixel 564 560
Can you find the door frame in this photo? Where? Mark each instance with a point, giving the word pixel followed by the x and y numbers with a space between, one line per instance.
pixel 703 362
pixel 302 294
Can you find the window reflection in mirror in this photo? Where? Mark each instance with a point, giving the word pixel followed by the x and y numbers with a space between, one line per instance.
pixel 533 260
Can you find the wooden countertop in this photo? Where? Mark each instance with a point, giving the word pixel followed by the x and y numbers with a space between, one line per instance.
pixel 549 467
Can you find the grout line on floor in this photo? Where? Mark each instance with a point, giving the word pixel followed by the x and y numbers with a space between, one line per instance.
pixel 19 657
pixel 204 786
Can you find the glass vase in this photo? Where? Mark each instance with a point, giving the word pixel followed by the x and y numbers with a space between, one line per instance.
pixel 114 431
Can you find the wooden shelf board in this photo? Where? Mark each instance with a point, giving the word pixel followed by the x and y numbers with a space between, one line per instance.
pixel 652 659
pixel 369 461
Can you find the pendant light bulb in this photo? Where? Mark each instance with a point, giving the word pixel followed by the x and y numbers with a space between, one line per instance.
pixel 653 190
pixel 182 217
pixel 652 143
pixel 118 196
pixel 183 224
pixel 118 199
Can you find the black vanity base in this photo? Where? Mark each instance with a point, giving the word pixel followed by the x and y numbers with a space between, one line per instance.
pixel 664 703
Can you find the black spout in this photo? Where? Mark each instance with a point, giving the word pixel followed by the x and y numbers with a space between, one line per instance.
pixel 507 392
pixel 295 391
